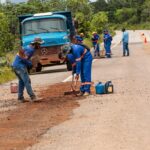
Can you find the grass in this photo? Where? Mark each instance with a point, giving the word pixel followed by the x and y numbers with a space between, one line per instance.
pixel 88 42
pixel 6 74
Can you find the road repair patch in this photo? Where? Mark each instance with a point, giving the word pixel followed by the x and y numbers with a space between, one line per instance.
pixel 23 126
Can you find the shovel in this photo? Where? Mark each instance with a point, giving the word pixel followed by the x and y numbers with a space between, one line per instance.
pixel 73 87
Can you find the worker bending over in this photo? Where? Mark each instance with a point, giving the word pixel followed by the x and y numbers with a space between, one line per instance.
pixel 81 59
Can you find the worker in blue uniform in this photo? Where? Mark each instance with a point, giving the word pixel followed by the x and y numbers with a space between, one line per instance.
pixel 107 38
pixel 95 39
pixel 32 47
pixel 20 65
pixel 82 58
pixel 71 59
pixel 80 38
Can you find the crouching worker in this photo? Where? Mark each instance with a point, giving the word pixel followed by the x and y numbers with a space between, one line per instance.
pixel 83 66
pixel 20 65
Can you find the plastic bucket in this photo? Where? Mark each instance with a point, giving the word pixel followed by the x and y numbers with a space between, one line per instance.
pixel 13 87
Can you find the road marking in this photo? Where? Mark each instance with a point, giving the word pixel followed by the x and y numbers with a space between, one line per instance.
pixel 94 60
pixel 67 79
pixel 115 45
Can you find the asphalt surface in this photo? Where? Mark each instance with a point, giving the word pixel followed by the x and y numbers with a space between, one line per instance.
pixel 119 121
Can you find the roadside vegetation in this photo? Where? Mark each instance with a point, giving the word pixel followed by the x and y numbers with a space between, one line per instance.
pixel 91 16
pixel 6 74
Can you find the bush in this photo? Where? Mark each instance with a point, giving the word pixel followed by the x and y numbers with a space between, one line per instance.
pixel 6 74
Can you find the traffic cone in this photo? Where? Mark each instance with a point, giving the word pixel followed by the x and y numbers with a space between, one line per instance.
pixel 145 40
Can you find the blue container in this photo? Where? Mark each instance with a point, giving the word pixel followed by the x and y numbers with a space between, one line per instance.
pixel 100 88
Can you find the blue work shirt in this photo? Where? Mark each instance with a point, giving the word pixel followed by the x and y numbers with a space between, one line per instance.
pixel 77 52
pixel 95 39
pixel 79 39
pixel 125 37
pixel 20 62
pixel 29 51
pixel 107 39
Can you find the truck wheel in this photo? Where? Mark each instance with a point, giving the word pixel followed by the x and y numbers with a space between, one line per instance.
pixel 39 68
pixel 69 66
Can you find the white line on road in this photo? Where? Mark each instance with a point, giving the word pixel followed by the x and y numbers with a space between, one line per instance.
pixel 67 79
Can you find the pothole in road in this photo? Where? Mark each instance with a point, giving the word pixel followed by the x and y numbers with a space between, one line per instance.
pixel 23 126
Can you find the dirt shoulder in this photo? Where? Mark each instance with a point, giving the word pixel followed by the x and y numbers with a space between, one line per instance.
pixel 22 126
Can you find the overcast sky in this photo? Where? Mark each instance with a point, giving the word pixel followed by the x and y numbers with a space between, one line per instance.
pixel 17 1
pixel 93 0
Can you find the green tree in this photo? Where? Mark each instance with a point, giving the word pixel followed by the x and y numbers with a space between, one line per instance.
pixel 124 14
pixel 6 38
pixel 99 22
pixel 82 11
pixel 99 5
pixel 145 11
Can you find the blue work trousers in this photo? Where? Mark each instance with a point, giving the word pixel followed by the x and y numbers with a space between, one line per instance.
pixel 96 50
pixel 125 48
pixel 24 82
pixel 86 67
pixel 107 49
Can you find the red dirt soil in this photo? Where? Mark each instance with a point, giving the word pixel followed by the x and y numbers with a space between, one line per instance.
pixel 23 126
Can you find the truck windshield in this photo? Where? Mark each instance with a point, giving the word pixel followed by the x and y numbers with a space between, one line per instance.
pixel 44 25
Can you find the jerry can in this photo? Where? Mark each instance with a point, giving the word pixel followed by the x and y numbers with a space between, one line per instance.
pixel 109 88
pixel 13 87
pixel 100 88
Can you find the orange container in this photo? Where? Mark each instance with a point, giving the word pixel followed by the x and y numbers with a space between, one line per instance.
pixel 13 87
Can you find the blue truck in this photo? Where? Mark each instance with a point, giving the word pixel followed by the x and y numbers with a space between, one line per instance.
pixel 55 28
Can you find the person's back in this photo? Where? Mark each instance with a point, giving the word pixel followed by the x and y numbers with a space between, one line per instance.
pixel 20 62
pixel 125 40
pixel 79 50
pixel 125 37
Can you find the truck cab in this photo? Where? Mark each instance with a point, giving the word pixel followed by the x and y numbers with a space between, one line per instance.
pixel 54 28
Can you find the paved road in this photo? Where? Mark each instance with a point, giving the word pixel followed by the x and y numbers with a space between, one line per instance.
pixel 108 122
pixel 119 121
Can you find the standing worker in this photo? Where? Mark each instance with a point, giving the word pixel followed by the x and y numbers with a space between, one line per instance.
pixel 95 39
pixel 125 41
pixel 32 47
pixel 80 38
pixel 81 57
pixel 20 65
pixel 107 38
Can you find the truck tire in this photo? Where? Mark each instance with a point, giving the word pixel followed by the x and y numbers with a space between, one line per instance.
pixel 69 66
pixel 39 68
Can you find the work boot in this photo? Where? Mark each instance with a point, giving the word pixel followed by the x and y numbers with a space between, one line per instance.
pixel 21 99
pixel 33 98
pixel 86 94
pixel 80 94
